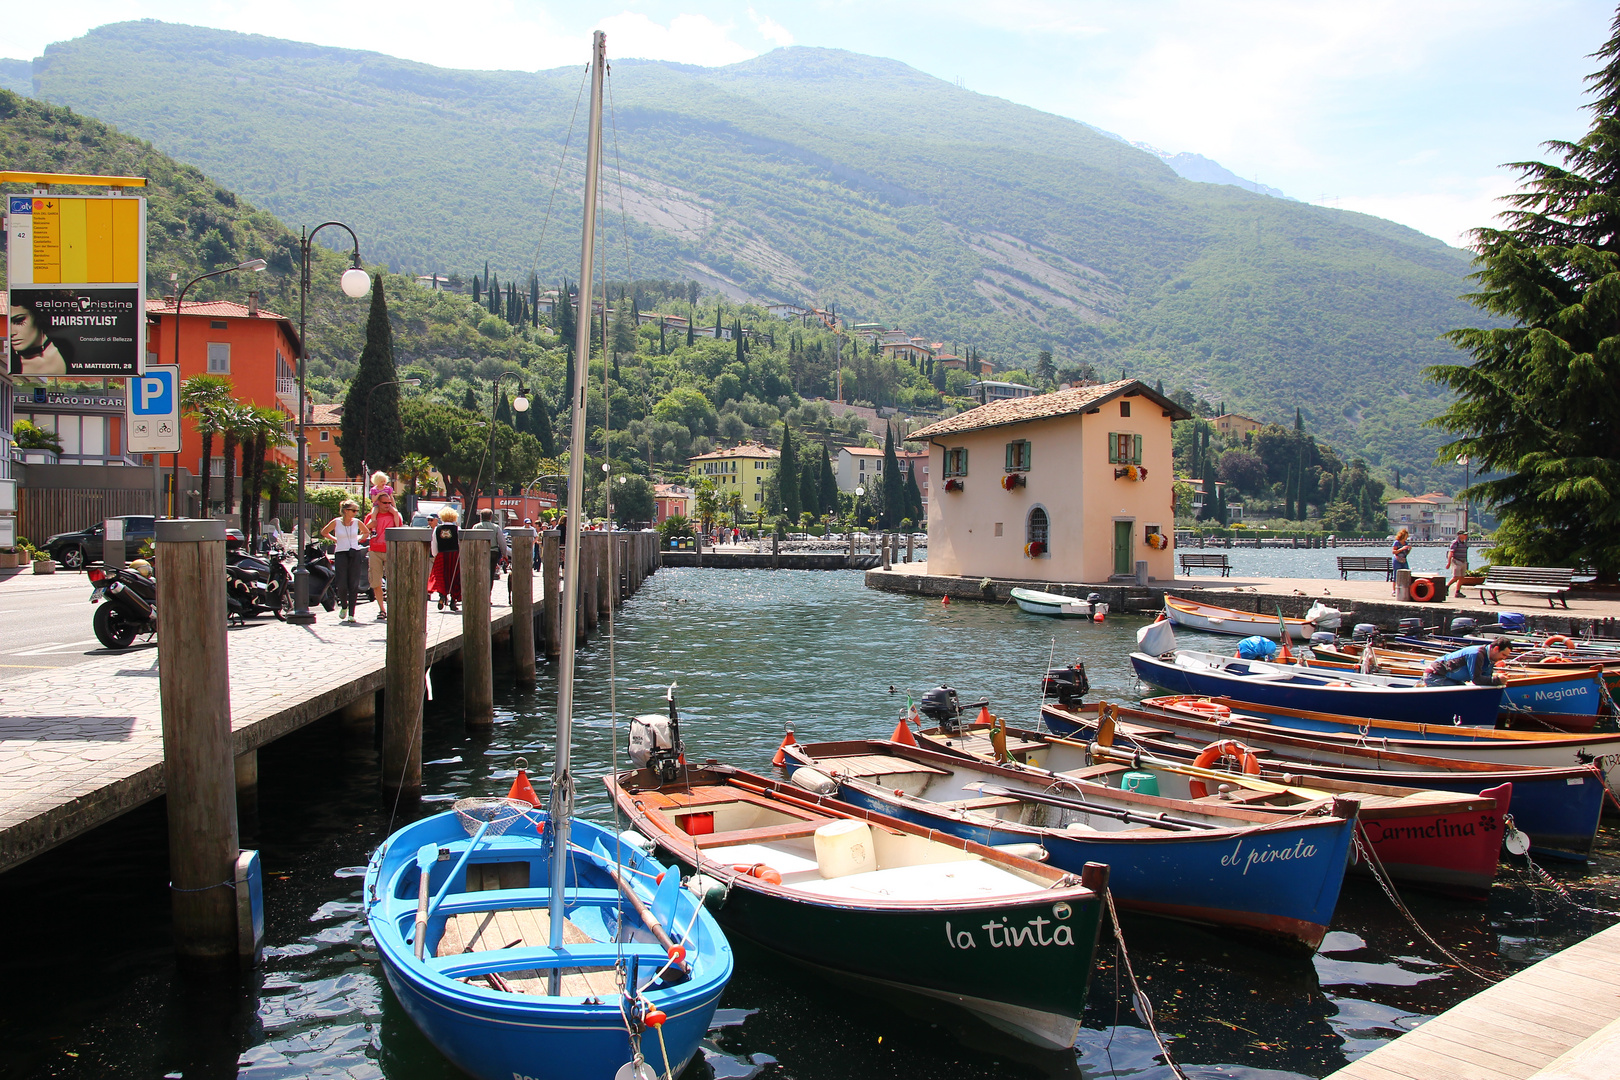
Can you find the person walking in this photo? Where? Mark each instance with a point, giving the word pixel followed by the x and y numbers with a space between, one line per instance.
pixel 1400 550
pixel 497 545
pixel 1457 561
pixel 383 517
pixel 445 577
pixel 348 535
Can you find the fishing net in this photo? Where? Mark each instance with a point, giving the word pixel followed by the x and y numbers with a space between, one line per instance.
pixel 501 814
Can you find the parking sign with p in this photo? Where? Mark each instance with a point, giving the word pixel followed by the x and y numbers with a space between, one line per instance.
pixel 152 411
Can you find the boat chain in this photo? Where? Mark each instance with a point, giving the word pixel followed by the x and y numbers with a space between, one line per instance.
pixel 1364 849
pixel 1139 1000
pixel 1536 872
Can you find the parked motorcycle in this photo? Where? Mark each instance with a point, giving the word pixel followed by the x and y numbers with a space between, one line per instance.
pixel 128 604
pixel 322 575
pixel 254 586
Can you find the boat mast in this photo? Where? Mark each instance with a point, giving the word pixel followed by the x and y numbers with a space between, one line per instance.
pixel 561 809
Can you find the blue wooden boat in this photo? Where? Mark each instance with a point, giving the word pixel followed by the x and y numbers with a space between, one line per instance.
pixel 1557 806
pixel 1219 865
pixel 480 986
pixel 1345 692
pixel 1563 690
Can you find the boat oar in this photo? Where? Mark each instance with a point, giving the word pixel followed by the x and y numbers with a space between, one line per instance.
pixel 1248 780
pixel 444 890
pixel 426 856
pixel 677 953
pixel 1163 820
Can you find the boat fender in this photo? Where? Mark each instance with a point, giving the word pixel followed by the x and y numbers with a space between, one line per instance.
pixel 1034 852
pixel 1559 641
pixel 759 870
pixel 706 889
pixel 1215 751
pixel 632 839
pixel 812 780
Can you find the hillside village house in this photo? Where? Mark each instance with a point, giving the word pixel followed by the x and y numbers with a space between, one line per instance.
pixel 1235 425
pixel 670 500
pixel 1435 516
pixel 862 466
pixel 1074 486
pixel 740 469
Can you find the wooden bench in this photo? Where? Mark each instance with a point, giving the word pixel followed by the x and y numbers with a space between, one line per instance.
pixel 1207 562
pixel 1366 564
pixel 1549 581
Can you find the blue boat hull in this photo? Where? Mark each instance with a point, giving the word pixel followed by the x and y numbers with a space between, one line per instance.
pixel 1560 816
pixel 1472 706
pixel 498 1036
pixel 1283 880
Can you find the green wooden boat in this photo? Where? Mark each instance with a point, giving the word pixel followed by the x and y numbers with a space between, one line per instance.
pixel 856 893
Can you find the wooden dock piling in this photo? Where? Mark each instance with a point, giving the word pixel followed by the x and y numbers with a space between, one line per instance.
pixel 199 766
pixel 522 581
pixel 551 584
pixel 405 677
pixel 477 656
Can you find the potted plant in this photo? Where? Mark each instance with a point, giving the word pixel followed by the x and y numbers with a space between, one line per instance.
pixel 10 558
pixel 43 563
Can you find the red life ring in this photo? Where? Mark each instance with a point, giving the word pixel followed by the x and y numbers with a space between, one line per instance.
pixel 1559 641
pixel 1208 708
pixel 759 870
pixel 1216 751
pixel 1422 590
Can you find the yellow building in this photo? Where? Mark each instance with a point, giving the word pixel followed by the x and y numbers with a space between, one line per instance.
pixel 1076 485
pixel 741 468
pixel 1235 425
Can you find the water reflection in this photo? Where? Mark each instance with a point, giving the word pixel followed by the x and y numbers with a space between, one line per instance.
pixel 751 651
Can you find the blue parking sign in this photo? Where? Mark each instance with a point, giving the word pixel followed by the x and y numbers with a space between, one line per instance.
pixel 152 394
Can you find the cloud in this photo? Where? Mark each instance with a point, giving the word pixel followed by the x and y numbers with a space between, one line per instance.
pixel 1448 211
pixel 771 30
pixel 688 39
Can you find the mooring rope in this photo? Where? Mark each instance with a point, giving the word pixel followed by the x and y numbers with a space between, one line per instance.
pixel 1365 849
pixel 1139 1000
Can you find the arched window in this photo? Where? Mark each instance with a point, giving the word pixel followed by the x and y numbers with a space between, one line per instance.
pixel 1037 529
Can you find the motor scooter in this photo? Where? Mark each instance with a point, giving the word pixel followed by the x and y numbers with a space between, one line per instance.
pixel 128 603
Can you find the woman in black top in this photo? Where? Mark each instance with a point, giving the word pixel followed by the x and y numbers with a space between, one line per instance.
pixel 445 577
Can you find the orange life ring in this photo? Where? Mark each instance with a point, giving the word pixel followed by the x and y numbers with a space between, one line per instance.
pixel 1558 641
pixel 1216 751
pixel 1555 659
pixel 1204 707
pixel 1422 590
pixel 1340 682
pixel 759 870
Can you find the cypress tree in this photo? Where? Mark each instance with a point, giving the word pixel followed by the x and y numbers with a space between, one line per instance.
pixel 1288 495
pixel 1299 421
pixel 503 410
pixel 534 298
pixel 914 503
pixel 540 426
pixel 470 401
pixel 894 491
pixel 1538 408
pixel 829 483
pixel 787 471
pixel 475 291
pixel 371 407
pixel 737 335
pixel 691 323
pixel 809 484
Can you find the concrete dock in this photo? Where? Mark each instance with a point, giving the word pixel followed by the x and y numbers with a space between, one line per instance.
pixel 1559 1018
pixel 81 745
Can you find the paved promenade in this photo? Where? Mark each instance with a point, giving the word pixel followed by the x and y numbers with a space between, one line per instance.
pixel 82 745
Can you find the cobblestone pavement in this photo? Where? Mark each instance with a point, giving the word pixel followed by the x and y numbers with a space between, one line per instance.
pixel 81 745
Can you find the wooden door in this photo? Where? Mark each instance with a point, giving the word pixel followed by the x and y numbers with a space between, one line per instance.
pixel 1123 561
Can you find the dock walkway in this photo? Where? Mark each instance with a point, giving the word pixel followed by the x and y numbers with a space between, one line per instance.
pixel 1559 1012
pixel 81 745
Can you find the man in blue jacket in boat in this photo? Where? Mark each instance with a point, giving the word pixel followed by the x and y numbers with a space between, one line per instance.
pixel 1474 664
pixel 1256 647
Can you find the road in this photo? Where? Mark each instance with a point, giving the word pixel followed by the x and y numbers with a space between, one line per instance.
pixel 45 623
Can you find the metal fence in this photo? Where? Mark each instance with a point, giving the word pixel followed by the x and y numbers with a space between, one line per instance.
pixel 43 512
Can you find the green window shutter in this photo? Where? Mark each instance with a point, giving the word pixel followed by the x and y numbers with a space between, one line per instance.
pixel 1113 448
pixel 1012 455
pixel 964 461
pixel 1029 453
pixel 1136 450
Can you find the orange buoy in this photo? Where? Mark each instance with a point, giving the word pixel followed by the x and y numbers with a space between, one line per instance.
pixel 1097 616
pixel 1422 590
pixel 1215 751
pixel 655 1018
pixel 1559 641
pixel 945 601
pixel 677 954
pixel 779 759
pixel 522 790
pixel 902 734
pixel 1205 707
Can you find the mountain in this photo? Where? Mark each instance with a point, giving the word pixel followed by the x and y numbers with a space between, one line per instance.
pixel 1204 171
pixel 17 76
pixel 828 176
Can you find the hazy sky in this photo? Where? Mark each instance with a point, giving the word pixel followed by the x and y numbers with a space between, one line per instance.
pixel 1402 108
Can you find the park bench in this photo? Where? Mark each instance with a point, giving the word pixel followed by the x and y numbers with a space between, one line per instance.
pixel 1207 562
pixel 1366 564
pixel 1549 581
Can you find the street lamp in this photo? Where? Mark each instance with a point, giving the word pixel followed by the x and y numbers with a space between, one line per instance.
pixel 520 404
pixel 1465 461
pixel 365 430
pixel 255 265
pixel 355 283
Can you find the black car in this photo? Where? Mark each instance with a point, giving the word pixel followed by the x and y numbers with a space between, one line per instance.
pixel 75 550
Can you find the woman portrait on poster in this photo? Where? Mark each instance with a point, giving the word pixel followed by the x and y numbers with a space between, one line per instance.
pixel 32 350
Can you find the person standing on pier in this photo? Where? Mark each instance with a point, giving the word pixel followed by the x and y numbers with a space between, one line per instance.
pixel 445 577
pixel 1457 561
pixel 498 549
pixel 1401 550
pixel 383 517
pixel 347 533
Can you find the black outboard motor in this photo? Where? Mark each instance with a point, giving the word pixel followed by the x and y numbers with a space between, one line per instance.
pixel 944 708
pixel 1067 684
pixel 1462 626
pixel 1324 637
pixel 1412 628
pixel 655 742
pixel 1365 631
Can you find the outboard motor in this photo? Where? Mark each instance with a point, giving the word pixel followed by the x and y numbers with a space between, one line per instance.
pixel 1067 684
pixel 944 708
pixel 1412 628
pixel 1463 626
pixel 1094 598
pixel 1323 637
pixel 1365 631
pixel 655 742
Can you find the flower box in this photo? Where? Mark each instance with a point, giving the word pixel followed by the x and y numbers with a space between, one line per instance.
pixel 953 485
pixel 1013 481
pixel 44 566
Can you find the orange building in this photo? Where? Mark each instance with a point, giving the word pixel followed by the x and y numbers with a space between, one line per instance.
pixel 255 348
pixel 323 429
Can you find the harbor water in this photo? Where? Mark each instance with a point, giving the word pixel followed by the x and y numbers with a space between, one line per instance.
pixel 93 991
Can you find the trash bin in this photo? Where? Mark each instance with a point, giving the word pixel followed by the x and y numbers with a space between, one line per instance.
pixel 1141 572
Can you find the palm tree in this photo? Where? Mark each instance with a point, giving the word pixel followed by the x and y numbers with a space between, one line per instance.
pixel 202 396
pixel 268 427
pixel 236 424
pixel 275 480
pixel 413 469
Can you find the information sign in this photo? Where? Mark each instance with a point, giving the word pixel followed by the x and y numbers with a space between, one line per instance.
pixel 153 416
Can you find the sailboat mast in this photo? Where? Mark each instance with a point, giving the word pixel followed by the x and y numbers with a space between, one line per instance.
pixel 561 808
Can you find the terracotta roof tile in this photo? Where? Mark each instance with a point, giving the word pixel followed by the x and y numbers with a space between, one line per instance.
pixel 326 414
pixel 214 309
pixel 742 450
pixel 1042 406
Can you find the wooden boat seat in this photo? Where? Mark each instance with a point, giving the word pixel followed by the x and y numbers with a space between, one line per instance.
pixel 981 746
pixel 983 802
pixel 1237 797
pixel 875 765
pixel 510 928
pixel 761 835
pixel 1095 772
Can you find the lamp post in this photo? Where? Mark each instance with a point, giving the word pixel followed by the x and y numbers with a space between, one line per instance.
pixel 355 283
pixel 255 265
pixel 1465 462
pixel 365 429
pixel 520 404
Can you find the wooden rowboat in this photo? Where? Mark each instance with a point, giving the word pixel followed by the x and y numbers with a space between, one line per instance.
pixel 1056 605
pixel 1197 615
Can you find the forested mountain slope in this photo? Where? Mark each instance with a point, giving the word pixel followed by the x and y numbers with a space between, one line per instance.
pixel 825 176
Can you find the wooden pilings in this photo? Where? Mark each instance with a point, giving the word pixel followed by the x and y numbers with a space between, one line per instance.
pixel 522 582
pixel 551 583
pixel 477 656
pixel 406 673
pixel 199 766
